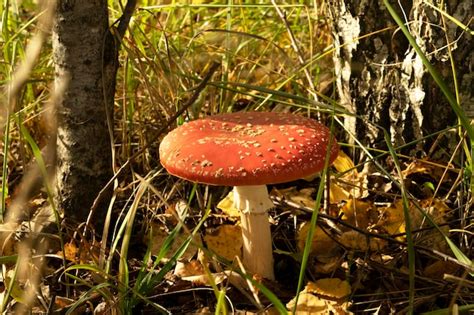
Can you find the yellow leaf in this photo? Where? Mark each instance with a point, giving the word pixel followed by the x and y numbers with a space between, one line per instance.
pixel 321 244
pixel 358 241
pixel 337 193
pixel 302 197
pixel 343 163
pixel 350 182
pixel 226 241
pixel 357 213
pixel 308 304
pixel 393 218
pixel 226 205
pixel 330 287
pixel 324 296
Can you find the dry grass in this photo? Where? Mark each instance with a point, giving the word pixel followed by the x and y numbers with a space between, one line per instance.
pixel 268 61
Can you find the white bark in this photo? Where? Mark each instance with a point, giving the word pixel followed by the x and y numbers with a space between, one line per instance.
pixel 253 202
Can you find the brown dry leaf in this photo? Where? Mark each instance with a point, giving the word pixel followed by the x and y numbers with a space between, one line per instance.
pixel 325 265
pixel 330 287
pixel 433 238
pixel 226 205
pixel 439 268
pixel 304 197
pixel 322 244
pixel 358 241
pixel 436 208
pixel 357 213
pixel 421 167
pixel 70 252
pixel 89 252
pixel 226 241
pixel 7 238
pixel 176 211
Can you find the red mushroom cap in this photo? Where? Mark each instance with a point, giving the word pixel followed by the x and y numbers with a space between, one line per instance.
pixel 248 148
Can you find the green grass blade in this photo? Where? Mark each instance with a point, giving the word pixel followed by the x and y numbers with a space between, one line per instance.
pixel 409 236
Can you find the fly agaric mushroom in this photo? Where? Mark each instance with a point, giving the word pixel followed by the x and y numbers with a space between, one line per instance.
pixel 248 150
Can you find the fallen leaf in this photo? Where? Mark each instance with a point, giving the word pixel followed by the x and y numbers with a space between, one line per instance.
pixel 330 287
pixel 423 167
pixel 89 252
pixel 186 269
pixel 321 245
pixel 70 252
pixel 393 218
pixel 8 241
pixel 324 296
pixel 159 236
pixel 358 213
pixel 337 194
pixel 358 241
pixel 439 268
pixel 226 205
pixel 308 304
pixel 343 163
pixel 226 241
pixel 436 208
pixel 325 265
pixel 302 197
pixel 350 182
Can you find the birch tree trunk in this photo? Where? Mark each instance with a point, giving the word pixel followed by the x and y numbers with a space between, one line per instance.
pixel 381 78
pixel 85 55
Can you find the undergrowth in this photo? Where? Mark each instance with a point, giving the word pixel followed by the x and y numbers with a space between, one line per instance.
pixel 400 236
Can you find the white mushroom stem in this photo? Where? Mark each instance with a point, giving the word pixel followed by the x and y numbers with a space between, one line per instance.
pixel 254 203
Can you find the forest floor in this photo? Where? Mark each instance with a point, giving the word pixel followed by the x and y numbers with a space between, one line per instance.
pixel 384 232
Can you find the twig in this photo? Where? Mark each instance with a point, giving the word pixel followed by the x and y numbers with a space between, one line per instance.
pixel 125 18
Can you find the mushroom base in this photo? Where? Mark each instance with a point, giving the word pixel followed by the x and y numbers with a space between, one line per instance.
pixel 253 202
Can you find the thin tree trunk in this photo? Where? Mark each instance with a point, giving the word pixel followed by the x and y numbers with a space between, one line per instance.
pixel 381 78
pixel 85 55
